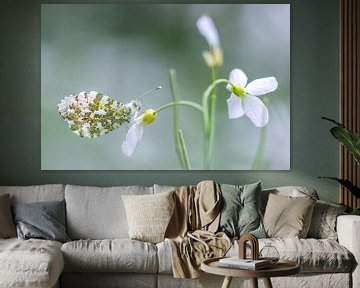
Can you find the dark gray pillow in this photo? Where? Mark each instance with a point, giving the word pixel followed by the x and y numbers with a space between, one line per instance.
pixel 240 213
pixel 44 220
pixel 7 227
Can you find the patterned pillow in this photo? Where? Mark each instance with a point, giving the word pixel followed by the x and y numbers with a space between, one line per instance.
pixel 240 210
pixel 323 222
pixel 149 215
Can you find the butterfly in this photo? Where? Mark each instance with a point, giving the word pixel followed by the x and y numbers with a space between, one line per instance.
pixel 91 114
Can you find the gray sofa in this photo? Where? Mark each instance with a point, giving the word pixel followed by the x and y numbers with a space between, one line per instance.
pixel 101 254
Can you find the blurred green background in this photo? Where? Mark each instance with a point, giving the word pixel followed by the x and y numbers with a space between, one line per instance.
pixel 125 49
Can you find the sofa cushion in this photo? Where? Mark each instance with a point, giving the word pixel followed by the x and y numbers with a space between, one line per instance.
pixel 35 193
pixel 313 255
pixel 287 216
pixel 98 213
pixel 323 222
pixel 149 215
pixel 30 263
pixel 117 255
pixel 240 210
pixel 7 226
pixel 43 220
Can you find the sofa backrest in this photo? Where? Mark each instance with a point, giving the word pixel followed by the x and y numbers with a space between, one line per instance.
pixel 293 191
pixel 36 193
pixel 98 212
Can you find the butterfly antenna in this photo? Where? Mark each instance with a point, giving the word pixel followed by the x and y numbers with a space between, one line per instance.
pixel 148 92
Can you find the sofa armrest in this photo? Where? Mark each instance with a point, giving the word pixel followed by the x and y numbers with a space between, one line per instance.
pixel 348 230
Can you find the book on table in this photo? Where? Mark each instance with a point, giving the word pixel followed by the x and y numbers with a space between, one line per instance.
pixel 236 262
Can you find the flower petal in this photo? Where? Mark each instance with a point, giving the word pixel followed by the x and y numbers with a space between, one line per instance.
pixel 133 136
pixel 238 77
pixel 235 109
pixel 256 110
pixel 207 28
pixel 262 86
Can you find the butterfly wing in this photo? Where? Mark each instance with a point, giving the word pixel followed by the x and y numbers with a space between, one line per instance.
pixel 91 114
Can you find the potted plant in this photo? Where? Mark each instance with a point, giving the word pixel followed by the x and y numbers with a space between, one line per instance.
pixel 351 141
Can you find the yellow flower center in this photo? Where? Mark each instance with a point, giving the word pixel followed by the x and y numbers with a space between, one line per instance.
pixel 149 116
pixel 238 90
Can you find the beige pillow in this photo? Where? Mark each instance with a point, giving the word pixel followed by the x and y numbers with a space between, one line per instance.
pixel 288 217
pixel 7 226
pixel 149 215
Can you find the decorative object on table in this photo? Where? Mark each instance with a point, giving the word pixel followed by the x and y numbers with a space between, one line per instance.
pixel 351 141
pixel 254 246
pixel 134 56
pixel 241 261
pixel 270 253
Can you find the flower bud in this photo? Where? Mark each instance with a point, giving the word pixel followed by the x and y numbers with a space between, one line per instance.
pixel 148 116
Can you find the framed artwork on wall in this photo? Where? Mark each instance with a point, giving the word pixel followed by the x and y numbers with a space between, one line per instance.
pixel 165 86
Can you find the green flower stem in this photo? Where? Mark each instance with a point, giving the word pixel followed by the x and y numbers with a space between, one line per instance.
pixel 209 134
pixel 209 89
pixel 260 151
pixel 261 148
pixel 209 118
pixel 180 142
pixel 178 136
pixel 183 102
pixel 184 153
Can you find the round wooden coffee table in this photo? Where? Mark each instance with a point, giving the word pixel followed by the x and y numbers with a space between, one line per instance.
pixel 281 268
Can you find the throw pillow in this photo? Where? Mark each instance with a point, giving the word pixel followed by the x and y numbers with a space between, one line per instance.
pixel 288 217
pixel 240 210
pixel 44 220
pixel 149 215
pixel 323 222
pixel 7 227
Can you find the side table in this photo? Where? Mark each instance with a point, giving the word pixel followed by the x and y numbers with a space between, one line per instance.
pixel 281 268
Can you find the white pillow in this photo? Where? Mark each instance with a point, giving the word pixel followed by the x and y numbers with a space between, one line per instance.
pixel 149 215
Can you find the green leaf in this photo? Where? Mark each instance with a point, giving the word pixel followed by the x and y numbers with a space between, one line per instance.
pixel 348 138
pixel 347 184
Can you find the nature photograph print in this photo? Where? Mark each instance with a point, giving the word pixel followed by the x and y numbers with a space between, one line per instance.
pixel 165 87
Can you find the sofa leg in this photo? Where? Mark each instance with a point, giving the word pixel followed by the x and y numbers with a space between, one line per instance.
pixel 254 282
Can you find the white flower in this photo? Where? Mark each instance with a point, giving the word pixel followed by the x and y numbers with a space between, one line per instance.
pixel 244 100
pixel 207 29
pixel 136 130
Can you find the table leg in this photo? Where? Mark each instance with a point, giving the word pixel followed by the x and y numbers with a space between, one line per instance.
pixel 254 282
pixel 227 282
pixel 267 283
